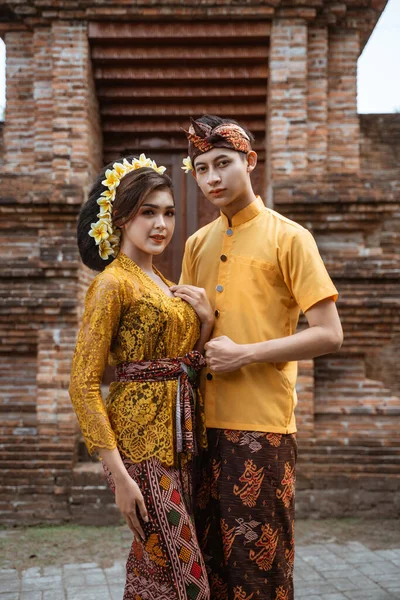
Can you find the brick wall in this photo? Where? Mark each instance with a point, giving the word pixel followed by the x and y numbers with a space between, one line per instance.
pixel 328 169
pixel 337 173
pixel 1 143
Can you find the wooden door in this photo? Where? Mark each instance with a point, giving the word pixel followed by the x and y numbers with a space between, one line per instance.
pixel 186 207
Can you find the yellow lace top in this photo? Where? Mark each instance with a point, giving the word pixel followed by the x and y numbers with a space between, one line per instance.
pixel 129 318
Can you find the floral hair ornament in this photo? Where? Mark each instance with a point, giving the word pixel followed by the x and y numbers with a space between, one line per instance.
pixel 187 165
pixel 202 138
pixel 106 237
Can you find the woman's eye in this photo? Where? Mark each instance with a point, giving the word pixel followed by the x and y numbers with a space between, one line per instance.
pixel 148 212
pixel 170 213
pixel 223 163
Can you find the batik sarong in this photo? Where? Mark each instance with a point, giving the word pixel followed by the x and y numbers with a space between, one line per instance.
pixel 245 514
pixel 168 564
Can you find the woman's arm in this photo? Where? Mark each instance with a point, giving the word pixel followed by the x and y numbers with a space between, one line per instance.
pixel 205 334
pixel 99 325
pixel 128 496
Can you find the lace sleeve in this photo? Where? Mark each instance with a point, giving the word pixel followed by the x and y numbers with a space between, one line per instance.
pixel 100 324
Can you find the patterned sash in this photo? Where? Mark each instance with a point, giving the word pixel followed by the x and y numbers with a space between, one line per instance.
pixel 185 370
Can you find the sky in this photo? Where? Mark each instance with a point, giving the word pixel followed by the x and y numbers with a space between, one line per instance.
pixel 378 85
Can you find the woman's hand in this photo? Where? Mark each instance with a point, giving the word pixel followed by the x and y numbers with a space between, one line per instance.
pixel 197 298
pixel 128 496
pixel 129 499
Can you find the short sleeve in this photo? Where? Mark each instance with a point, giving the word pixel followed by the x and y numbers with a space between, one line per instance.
pixel 99 326
pixel 187 275
pixel 304 271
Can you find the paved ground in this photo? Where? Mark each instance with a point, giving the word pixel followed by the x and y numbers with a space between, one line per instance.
pixel 329 571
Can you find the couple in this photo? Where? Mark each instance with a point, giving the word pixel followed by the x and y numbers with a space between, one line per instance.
pixel 245 277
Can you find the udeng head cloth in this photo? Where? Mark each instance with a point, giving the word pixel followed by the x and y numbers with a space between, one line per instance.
pixel 202 138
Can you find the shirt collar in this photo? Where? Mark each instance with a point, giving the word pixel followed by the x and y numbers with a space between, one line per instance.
pixel 246 214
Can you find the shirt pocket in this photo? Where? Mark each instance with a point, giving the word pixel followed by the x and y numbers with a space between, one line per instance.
pixel 261 268
pixel 253 270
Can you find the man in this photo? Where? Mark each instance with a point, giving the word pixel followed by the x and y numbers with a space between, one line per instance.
pixel 259 270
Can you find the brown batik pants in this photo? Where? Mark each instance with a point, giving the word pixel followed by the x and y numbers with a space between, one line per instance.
pixel 245 514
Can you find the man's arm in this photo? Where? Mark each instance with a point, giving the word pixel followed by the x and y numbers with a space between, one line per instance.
pixel 186 274
pixel 324 335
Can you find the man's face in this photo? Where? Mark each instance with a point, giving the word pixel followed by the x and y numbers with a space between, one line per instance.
pixel 223 175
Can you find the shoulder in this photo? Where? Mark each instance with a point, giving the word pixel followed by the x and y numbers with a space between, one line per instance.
pixel 106 282
pixel 283 224
pixel 198 237
pixel 287 233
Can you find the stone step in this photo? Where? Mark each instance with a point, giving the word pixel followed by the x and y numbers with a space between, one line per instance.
pixel 348 458
pixel 349 450
pixel 346 467
pixel 366 408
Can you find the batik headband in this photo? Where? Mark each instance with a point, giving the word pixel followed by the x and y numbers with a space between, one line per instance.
pixel 203 138
pixel 106 236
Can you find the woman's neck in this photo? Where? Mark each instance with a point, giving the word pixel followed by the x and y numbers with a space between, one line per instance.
pixel 142 259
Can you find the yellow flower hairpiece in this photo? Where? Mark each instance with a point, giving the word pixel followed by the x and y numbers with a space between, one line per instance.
pixel 187 165
pixel 105 236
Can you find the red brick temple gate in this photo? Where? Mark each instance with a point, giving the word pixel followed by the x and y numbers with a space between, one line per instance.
pixel 90 82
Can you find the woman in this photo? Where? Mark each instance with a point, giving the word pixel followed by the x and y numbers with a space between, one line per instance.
pixel 145 435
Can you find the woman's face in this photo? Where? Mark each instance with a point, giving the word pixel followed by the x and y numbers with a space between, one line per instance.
pixel 151 230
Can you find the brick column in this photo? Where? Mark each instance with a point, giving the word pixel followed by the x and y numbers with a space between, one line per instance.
pixel 77 149
pixel 19 115
pixel 53 148
pixel 343 121
pixel 317 122
pixel 305 410
pixel 75 158
pixel 287 100
pixel 43 100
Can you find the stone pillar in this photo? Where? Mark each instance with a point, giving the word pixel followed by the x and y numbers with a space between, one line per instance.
pixel 343 121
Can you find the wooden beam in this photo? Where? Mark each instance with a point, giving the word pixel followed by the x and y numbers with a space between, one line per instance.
pixel 122 55
pixel 231 91
pixel 166 111
pixel 165 32
pixel 172 74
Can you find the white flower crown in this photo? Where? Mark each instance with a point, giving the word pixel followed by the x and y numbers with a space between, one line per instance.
pixel 107 237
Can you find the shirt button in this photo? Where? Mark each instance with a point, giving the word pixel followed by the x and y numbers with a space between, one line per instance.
pixel 209 376
pixel 223 257
pixel 229 232
pixel 219 288
pixel 217 313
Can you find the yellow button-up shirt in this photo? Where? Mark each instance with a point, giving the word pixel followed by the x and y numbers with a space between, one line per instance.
pixel 258 273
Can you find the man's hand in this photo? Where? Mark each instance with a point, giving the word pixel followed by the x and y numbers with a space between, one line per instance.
pixel 223 355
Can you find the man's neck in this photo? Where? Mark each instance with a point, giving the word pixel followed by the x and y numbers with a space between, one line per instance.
pixel 238 204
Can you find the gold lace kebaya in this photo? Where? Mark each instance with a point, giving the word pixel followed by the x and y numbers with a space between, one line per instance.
pixel 128 318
